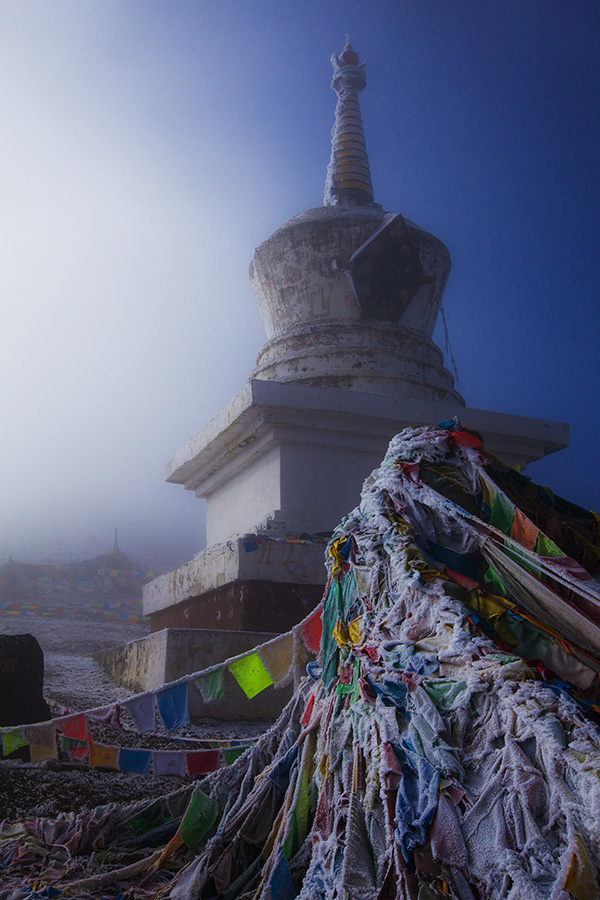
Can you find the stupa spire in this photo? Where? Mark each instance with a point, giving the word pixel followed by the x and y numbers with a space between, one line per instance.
pixel 348 174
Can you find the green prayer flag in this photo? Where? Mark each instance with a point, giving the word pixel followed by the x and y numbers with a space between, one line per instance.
pixel 492 577
pixel 503 513
pixel 230 755
pixel 547 547
pixel 211 685
pixel 12 739
pixel 329 648
pixel 445 692
pixel 199 818
pixel 68 743
pixel 251 674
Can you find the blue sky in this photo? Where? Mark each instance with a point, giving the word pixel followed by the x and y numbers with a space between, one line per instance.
pixel 151 145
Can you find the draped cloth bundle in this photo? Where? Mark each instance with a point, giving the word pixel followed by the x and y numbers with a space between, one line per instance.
pixel 444 744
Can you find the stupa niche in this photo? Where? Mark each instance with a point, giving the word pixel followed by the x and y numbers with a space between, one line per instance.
pixel 349 295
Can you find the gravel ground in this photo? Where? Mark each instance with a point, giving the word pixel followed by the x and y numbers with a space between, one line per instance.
pixel 74 681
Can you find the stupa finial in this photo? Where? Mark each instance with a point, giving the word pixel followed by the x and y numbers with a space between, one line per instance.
pixel 348 174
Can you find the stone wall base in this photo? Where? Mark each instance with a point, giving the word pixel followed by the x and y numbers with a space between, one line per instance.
pixel 242 606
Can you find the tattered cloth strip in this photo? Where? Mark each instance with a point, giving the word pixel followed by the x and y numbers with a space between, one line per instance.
pixel 424 757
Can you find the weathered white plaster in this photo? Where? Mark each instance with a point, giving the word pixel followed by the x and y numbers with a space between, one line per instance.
pixel 317 333
pixel 254 485
pixel 294 280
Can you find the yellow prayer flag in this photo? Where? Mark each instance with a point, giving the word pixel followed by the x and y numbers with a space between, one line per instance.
pixel 278 657
pixel 42 741
pixel 40 752
pixel 104 757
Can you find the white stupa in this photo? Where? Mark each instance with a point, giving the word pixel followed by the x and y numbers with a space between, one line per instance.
pixel 349 295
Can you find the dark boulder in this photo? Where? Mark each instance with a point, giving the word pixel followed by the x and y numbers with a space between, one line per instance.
pixel 21 681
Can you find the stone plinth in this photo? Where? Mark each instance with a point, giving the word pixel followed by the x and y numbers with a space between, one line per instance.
pixel 240 585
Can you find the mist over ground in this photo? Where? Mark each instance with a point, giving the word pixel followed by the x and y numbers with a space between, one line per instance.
pixel 150 147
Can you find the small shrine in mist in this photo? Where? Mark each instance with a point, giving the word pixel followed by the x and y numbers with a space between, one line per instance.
pixel 349 294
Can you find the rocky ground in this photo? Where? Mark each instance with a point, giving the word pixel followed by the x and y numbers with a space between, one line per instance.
pixel 74 681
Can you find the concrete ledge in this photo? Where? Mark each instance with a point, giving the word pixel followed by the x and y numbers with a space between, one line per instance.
pixel 169 654
pixel 261 403
pixel 222 564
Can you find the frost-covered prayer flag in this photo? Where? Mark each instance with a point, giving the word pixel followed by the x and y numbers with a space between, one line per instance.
pixel 199 762
pixel 12 739
pixel 42 741
pixel 104 756
pixel 168 762
pixel 142 711
pixel 139 761
pixel 251 674
pixel 278 657
pixel 77 726
pixel 211 685
pixel 312 630
pixel 173 706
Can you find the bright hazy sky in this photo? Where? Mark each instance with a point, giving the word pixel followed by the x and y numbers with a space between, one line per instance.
pixel 150 145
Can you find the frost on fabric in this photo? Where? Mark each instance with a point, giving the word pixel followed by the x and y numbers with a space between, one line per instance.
pixel 428 756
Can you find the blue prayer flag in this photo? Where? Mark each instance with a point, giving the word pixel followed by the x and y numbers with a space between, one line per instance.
pixel 173 706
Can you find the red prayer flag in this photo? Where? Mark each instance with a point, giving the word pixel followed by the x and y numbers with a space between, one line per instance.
pixel 312 631
pixel 201 761
pixel 76 726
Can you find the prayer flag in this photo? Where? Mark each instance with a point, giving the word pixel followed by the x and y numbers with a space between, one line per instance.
pixel 109 715
pixel 198 819
pixel 251 674
pixel 173 706
pixel 12 739
pixel 42 742
pixel 104 757
pixel 524 531
pixel 141 709
pixel 307 714
pixel 199 762
pixel 547 547
pixel 281 886
pixel 135 760
pixel 211 685
pixel 278 657
pixel 75 749
pixel 312 630
pixel 232 754
pixel 168 762
pixel 76 726
pixel 503 513
pixel 488 490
